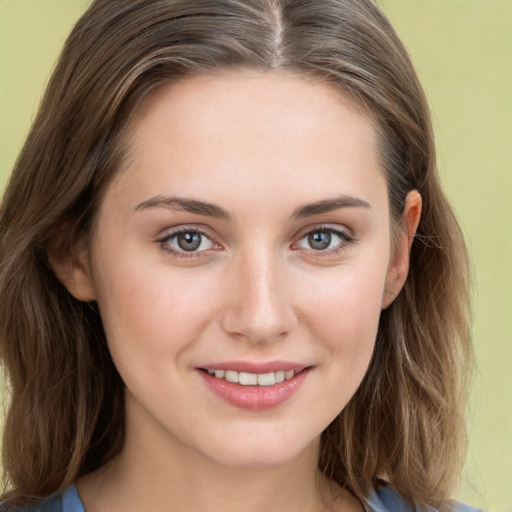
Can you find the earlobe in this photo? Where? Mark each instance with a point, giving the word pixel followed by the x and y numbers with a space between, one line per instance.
pixel 74 272
pixel 399 264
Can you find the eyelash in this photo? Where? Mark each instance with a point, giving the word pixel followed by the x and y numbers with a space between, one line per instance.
pixel 165 240
pixel 345 240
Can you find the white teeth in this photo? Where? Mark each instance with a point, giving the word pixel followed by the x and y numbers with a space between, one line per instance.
pixel 231 376
pixel 248 379
pixel 266 379
pixel 253 379
pixel 280 376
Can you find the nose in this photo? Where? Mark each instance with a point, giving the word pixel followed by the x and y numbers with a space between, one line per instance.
pixel 259 307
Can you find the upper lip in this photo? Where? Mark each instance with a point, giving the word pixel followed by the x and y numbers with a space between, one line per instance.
pixel 255 367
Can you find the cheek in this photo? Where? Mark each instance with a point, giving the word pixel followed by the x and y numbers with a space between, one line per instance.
pixel 150 313
pixel 348 300
pixel 343 312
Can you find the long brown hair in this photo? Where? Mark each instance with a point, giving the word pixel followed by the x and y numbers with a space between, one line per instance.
pixel 66 410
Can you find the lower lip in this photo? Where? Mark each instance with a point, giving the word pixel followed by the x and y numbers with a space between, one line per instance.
pixel 255 398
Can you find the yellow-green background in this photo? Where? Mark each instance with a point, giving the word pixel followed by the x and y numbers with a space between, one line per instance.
pixel 463 52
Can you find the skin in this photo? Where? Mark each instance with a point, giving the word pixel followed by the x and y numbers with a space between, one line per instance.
pixel 261 147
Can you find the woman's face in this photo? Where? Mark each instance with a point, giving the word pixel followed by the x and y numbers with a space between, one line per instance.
pixel 240 260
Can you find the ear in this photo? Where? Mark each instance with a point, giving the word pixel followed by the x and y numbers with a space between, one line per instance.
pixel 399 264
pixel 73 270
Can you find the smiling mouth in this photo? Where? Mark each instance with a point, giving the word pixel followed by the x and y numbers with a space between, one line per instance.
pixel 252 379
pixel 255 391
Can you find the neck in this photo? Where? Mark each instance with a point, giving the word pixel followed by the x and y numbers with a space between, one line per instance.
pixel 155 471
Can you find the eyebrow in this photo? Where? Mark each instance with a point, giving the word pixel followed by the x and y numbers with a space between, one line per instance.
pixel 211 210
pixel 329 205
pixel 186 205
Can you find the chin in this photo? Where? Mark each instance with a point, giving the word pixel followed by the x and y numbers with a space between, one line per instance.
pixel 253 451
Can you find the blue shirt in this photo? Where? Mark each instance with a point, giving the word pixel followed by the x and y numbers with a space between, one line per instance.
pixel 385 499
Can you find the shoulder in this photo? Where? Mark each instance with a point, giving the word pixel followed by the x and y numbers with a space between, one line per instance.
pixel 64 501
pixel 386 499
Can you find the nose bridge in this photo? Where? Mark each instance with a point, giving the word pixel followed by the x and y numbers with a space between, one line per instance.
pixel 260 308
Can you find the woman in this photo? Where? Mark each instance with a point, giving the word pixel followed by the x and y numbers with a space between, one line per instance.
pixel 230 278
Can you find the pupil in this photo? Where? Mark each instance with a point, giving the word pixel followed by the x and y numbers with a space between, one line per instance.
pixel 189 241
pixel 319 240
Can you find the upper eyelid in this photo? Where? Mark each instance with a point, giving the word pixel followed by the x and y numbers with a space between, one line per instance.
pixel 347 238
pixel 326 255
pixel 165 243
pixel 324 227
pixel 173 231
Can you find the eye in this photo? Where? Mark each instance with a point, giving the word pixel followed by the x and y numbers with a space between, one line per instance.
pixel 187 242
pixel 325 239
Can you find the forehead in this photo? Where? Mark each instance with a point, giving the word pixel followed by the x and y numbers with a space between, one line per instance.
pixel 251 130
pixel 248 98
